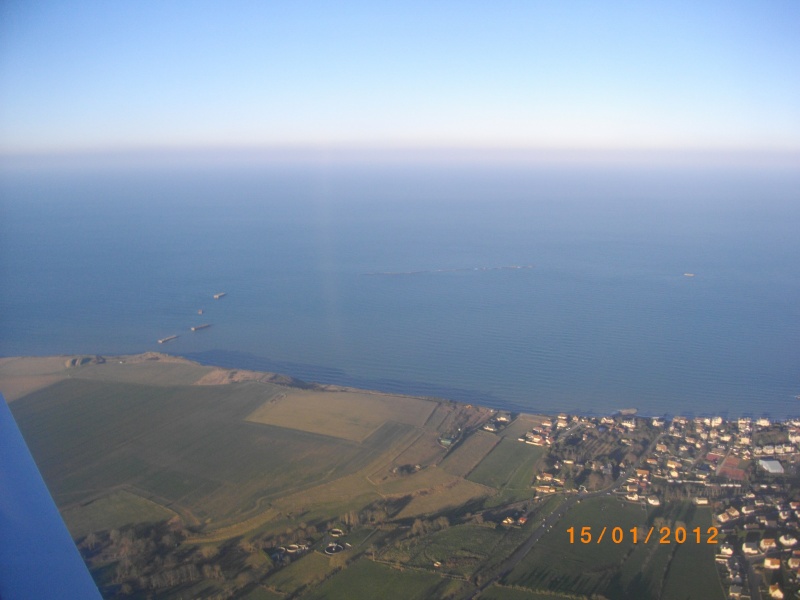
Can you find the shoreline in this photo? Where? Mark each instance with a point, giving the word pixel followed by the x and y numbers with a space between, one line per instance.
pixel 284 456
pixel 486 399
pixel 237 374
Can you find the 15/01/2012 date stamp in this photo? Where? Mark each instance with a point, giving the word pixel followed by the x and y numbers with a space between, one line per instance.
pixel 636 535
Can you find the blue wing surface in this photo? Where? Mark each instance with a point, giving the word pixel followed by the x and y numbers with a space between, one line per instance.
pixel 38 559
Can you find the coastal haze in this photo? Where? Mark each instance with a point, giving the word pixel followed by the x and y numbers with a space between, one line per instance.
pixel 518 284
pixel 363 181
pixel 357 300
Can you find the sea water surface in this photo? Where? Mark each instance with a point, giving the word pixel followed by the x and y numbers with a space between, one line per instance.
pixel 528 289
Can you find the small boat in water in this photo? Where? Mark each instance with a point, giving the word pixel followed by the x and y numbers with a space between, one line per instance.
pixel 199 327
pixel 220 295
pixel 167 339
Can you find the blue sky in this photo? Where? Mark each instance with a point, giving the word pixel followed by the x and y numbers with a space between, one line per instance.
pixel 92 75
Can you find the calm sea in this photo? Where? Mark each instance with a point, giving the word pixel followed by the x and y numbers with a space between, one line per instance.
pixel 400 278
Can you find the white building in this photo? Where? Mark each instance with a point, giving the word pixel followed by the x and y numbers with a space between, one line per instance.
pixel 773 467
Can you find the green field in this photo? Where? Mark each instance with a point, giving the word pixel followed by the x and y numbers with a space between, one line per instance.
pixel 620 570
pixel 185 446
pixel 367 580
pixel 469 453
pixel 521 425
pixel 499 592
pixel 259 593
pixel 461 550
pixel 112 512
pixel 688 576
pixel 556 564
pixel 192 449
pixel 155 372
pixel 309 569
pixel 511 466
pixel 517 535
pixel 247 466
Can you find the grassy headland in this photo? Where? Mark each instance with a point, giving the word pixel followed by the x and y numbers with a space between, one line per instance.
pixel 180 480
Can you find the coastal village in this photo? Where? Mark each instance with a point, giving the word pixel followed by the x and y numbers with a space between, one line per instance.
pixel 744 470
pixel 285 490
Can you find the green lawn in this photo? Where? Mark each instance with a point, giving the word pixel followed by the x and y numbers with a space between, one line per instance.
pixel 156 372
pixel 309 569
pixel 498 592
pixel 469 453
pixel 188 445
pixel 461 549
pixel 259 593
pixel 367 580
pixel 116 453
pixel 112 512
pixel 691 575
pixel 623 570
pixel 556 564
pixel 510 466
pixel 515 536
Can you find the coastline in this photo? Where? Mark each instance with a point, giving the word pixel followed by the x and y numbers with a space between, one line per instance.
pixel 232 454
pixel 32 378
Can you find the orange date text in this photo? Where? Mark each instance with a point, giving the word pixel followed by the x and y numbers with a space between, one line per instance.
pixel 637 535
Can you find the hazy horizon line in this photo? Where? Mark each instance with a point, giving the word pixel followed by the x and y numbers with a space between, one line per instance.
pixel 388 154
